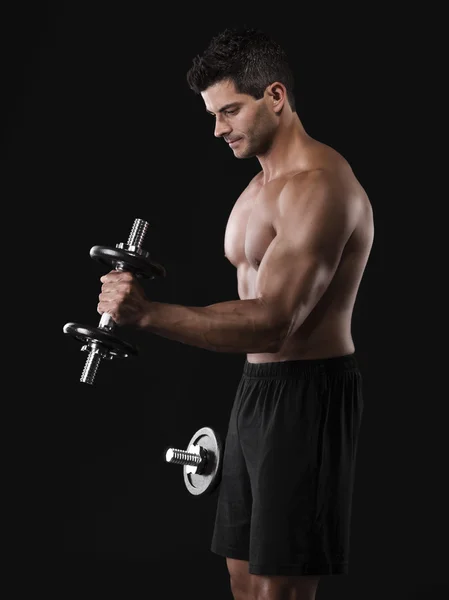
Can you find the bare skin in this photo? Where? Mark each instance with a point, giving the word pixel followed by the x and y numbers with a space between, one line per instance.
pixel 299 235
pixel 245 586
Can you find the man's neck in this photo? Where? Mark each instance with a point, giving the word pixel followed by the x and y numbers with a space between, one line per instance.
pixel 287 151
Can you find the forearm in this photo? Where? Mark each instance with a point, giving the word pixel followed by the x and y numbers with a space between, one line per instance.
pixel 244 326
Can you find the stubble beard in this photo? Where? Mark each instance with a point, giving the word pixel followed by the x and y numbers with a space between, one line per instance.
pixel 256 145
pixel 260 138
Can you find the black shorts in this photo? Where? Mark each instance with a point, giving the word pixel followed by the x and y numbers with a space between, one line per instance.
pixel 284 501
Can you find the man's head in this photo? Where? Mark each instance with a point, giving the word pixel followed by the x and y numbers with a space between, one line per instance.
pixel 246 82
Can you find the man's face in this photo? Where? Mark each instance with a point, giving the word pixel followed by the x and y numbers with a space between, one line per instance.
pixel 246 124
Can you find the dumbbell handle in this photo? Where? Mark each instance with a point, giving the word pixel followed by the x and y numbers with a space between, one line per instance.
pixel 106 321
pixel 197 458
pixel 135 239
pixel 93 360
pixel 182 457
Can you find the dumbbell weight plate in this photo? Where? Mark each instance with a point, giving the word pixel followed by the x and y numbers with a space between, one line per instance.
pixel 136 263
pixel 208 480
pixel 87 334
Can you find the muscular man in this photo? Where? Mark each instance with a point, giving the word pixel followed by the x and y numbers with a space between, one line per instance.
pixel 299 236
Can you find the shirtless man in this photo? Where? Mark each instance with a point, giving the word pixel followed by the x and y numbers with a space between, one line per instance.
pixel 299 236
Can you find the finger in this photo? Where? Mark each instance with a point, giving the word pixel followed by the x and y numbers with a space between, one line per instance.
pixel 107 307
pixel 109 287
pixel 110 295
pixel 117 276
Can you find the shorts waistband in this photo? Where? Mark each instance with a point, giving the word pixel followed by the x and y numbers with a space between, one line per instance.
pixel 300 367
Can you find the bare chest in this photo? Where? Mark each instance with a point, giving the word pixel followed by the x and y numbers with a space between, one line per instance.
pixel 250 231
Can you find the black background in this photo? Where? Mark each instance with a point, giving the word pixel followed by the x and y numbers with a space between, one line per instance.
pixel 99 128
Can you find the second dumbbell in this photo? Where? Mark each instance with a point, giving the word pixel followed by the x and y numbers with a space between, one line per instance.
pixel 202 461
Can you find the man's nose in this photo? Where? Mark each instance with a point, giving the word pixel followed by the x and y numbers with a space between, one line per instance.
pixel 221 128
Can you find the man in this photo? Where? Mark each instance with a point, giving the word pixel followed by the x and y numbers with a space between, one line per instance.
pixel 299 236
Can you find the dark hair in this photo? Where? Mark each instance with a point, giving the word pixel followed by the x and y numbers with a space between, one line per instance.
pixel 248 57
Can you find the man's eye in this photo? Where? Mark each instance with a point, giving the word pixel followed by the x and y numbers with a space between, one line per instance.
pixel 231 112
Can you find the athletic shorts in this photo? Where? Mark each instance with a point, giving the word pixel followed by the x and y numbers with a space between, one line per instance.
pixel 285 496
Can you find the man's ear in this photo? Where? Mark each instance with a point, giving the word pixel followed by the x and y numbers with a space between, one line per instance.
pixel 278 95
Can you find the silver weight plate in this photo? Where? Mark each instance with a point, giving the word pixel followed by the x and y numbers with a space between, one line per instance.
pixel 208 479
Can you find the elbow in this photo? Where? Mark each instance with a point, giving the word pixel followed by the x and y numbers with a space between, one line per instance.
pixel 280 337
pixel 277 328
pixel 280 332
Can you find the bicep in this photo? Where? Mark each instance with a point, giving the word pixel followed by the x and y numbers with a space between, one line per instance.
pixel 290 282
pixel 302 259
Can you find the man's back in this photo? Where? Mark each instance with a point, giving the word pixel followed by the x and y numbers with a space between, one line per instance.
pixel 254 223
